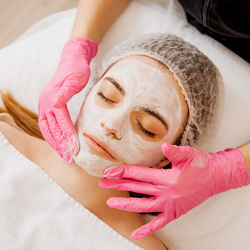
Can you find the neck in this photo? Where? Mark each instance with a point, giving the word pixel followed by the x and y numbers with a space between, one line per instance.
pixel 74 180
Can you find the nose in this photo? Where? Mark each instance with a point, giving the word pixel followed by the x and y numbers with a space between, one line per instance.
pixel 111 132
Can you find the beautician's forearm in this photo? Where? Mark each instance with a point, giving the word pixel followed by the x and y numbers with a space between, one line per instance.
pixel 94 17
pixel 245 150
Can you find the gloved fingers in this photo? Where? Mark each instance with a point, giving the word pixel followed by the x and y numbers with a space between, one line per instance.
pixel 139 205
pixel 177 154
pixel 67 156
pixel 54 127
pixel 68 139
pixel 54 136
pixel 72 85
pixel 144 174
pixel 150 227
pixel 129 185
pixel 46 132
pixel 57 136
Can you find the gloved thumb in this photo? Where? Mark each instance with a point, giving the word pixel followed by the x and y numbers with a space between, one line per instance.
pixel 72 85
pixel 176 154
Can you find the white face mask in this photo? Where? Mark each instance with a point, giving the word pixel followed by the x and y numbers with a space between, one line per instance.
pixel 144 86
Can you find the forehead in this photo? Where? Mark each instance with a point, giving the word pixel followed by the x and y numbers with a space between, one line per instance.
pixel 143 74
pixel 143 69
pixel 146 82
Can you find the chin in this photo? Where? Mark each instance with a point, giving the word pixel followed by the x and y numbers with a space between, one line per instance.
pixel 91 163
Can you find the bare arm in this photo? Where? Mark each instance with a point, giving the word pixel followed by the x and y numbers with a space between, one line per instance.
pixel 245 150
pixel 93 18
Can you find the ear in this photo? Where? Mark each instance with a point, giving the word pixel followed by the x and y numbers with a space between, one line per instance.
pixel 163 162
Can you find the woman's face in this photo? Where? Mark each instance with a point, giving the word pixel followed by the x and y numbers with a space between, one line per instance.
pixel 132 110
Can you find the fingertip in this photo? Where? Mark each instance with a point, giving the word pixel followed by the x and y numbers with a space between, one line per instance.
pixel 77 144
pixel 176 153
pixel 164 146
pixel 107 171
pixel 67 157
pixel 71 160
pixel 134 237
pixel 106 183
pixel 73 146
pixel 167 147
pixel 107 202
pixel 139 234
pixel 114 171
pixel 111 202
pixel 60 153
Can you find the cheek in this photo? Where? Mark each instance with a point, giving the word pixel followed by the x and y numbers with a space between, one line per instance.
pixel 177 123
pixel 89 110
pixel 139 152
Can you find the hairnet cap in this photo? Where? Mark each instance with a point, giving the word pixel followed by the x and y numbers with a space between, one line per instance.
pixel 197 76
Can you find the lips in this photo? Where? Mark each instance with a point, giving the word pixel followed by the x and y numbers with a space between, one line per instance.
pixel 101 149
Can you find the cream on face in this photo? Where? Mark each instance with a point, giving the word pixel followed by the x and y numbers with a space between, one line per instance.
pixel 145 100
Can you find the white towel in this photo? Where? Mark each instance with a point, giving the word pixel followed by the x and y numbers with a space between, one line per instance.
pixel 37 214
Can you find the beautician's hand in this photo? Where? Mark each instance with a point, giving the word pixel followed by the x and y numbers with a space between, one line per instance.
pixel 70 78
pixel 194 177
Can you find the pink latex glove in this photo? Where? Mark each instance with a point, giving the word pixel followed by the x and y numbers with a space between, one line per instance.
pixel 194 177
pixel 70 78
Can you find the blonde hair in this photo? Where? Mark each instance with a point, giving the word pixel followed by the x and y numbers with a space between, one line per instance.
pixel 23 117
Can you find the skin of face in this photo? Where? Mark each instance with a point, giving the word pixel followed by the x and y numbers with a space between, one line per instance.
pixel 132 110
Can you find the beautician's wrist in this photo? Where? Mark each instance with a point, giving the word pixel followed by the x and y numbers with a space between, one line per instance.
pixel 85 33
pixel 230 170
pixel 245 151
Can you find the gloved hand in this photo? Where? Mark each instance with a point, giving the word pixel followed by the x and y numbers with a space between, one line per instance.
pixel 194 177
pixel 70 78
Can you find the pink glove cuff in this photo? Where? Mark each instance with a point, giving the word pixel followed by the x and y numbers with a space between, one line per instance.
pixel 233 169
pixel 83 45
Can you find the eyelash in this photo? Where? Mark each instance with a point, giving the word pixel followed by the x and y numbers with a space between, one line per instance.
pixel 104 97
pixel 144 130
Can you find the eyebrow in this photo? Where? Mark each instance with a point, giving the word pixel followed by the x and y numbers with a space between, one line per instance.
pixel 156 115
pixel 147 110
pixel 116 84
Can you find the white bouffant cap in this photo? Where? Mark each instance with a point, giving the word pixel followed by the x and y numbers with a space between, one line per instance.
pixel 197 76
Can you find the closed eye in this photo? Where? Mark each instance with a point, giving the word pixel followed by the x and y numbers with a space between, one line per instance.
pixel 146 132
pixel 105 98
